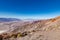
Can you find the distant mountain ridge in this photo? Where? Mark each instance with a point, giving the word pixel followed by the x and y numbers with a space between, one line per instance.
pixel 8 19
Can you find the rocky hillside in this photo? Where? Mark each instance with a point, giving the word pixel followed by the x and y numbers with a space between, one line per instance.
pixel 48 29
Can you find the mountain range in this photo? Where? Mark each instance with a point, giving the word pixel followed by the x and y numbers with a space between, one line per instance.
pixel 48 29
pixel 8 19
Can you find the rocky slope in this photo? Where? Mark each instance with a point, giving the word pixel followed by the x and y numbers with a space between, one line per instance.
pixel 36 30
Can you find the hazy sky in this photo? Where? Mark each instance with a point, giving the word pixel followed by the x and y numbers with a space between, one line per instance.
pixel 33 9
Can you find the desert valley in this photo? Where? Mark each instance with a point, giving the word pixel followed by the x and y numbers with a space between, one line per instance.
pixel 48 29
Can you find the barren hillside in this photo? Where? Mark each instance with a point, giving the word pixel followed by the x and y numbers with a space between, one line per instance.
pixel 48 29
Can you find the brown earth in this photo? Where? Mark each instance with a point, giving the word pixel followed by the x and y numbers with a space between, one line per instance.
pixel 48 29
